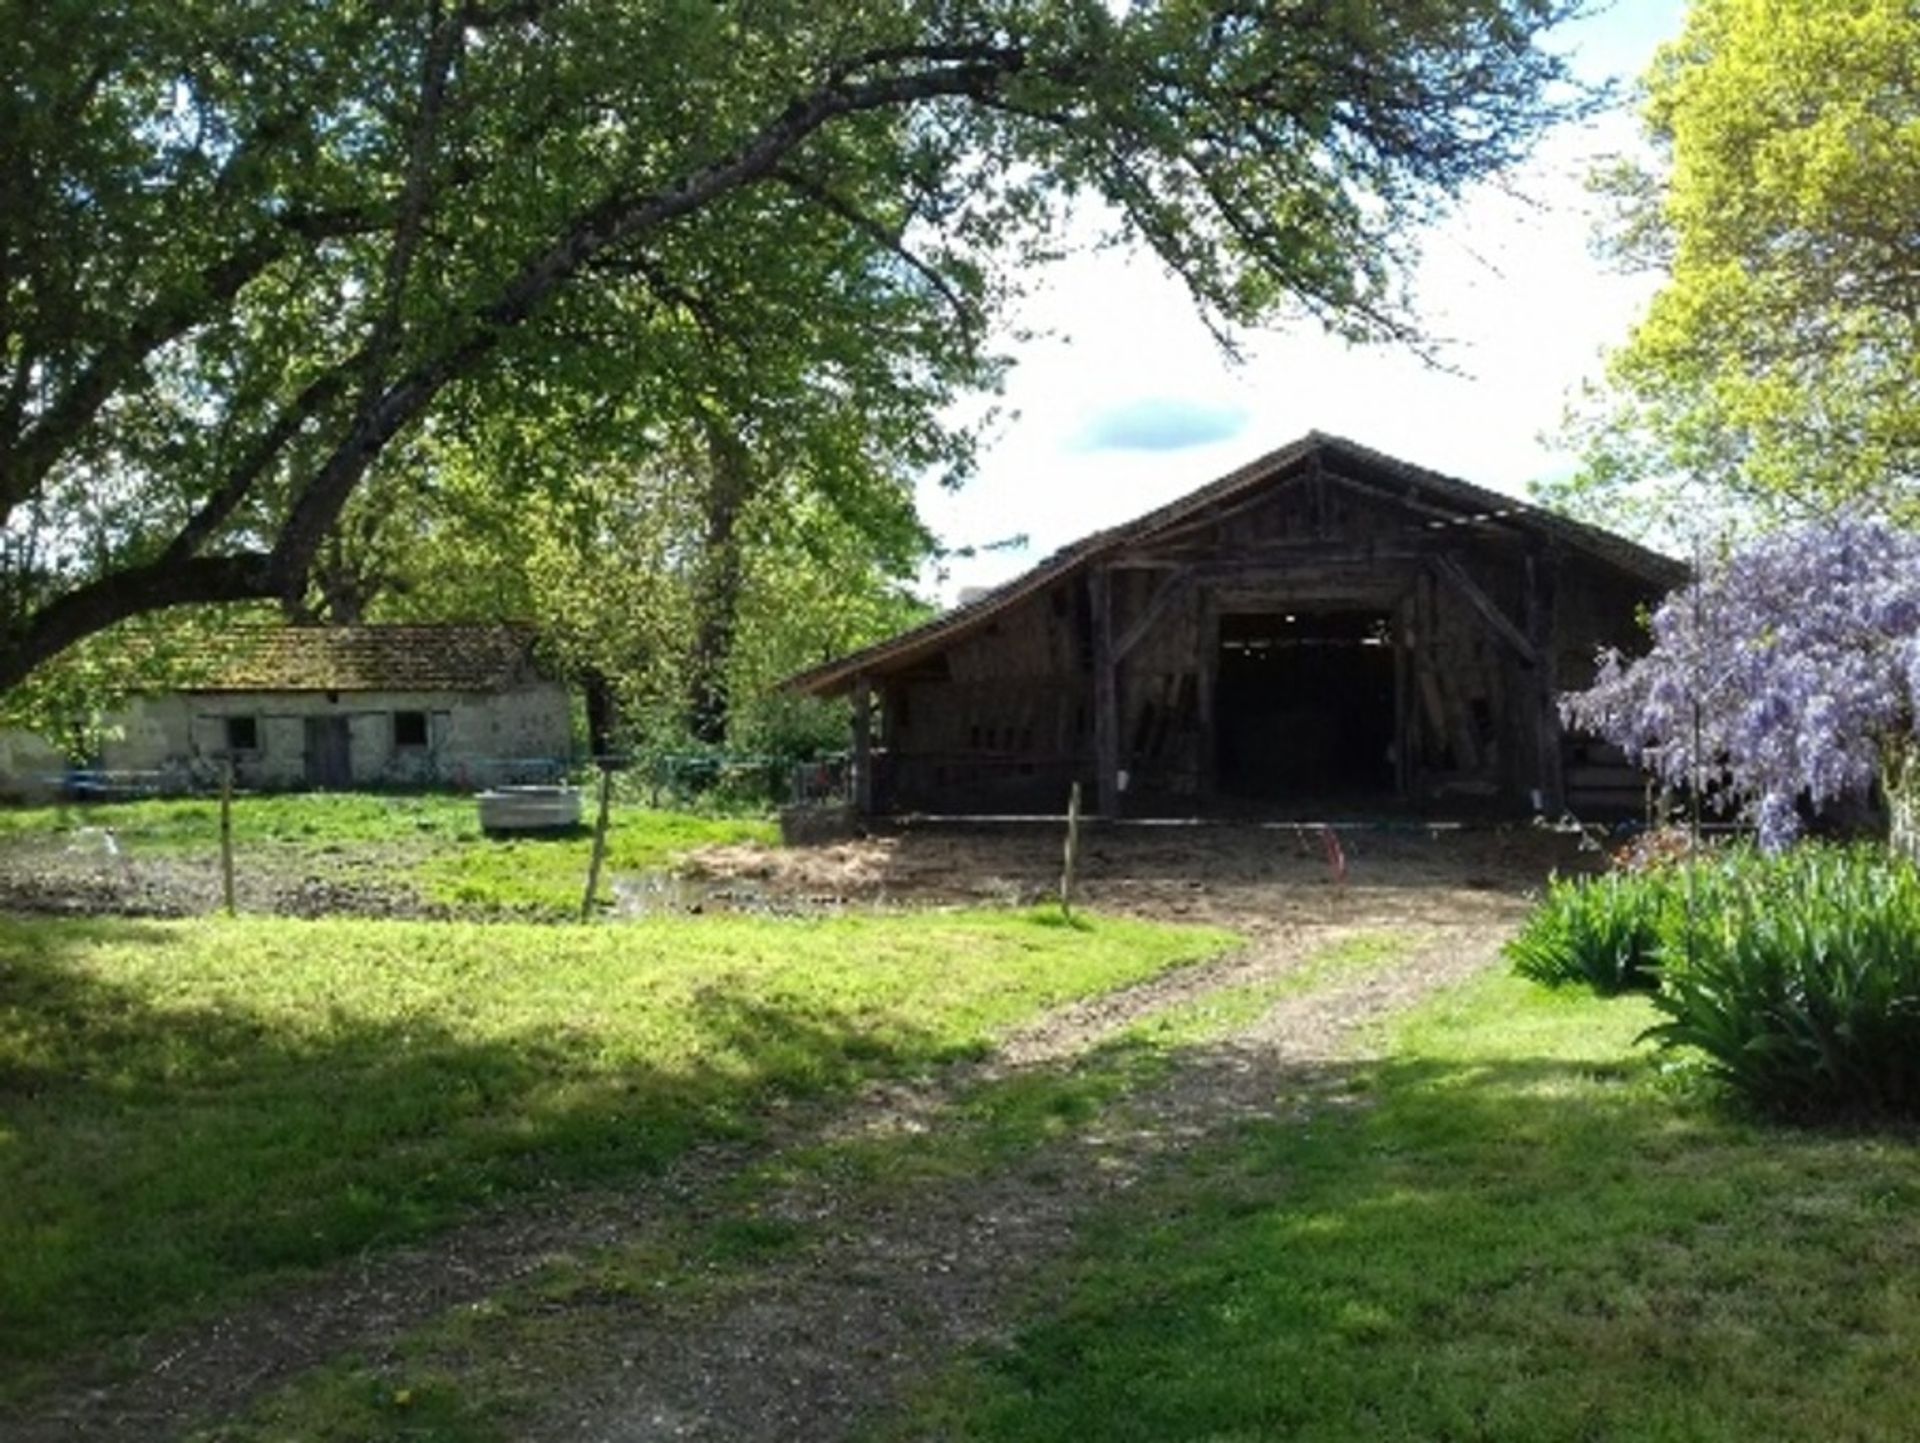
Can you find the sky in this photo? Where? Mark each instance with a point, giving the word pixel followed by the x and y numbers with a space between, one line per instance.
pixel 1126 402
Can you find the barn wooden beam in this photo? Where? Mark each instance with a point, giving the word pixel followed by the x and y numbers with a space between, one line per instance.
pixel 1106 694
pixel 1455 575
pixel 1313 560
pixel 1163 600
pixel 1503 523
pixel 1403 703
pixel 1279 552
pixel 1541 599
pixel 863 745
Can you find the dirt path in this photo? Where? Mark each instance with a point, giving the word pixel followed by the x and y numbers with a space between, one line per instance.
pixel 814 1348
pixel 813 1343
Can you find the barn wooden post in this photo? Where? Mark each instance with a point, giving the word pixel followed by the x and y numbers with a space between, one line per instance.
pixel 1206 630
pixel 863 746
pixel 1106 695
pixel 1540 604
pixel 1404 640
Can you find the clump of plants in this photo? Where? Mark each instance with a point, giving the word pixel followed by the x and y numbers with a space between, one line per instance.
pixel 1795 975
pixel 1603 932
pixel 1798 979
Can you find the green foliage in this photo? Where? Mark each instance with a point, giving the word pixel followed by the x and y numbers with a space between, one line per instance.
pixel 529 534
pixel 1794 977
pixel 258 261
pixel 1776 367
pixel 192 1109
pixel 1800 981
pixel 1604 932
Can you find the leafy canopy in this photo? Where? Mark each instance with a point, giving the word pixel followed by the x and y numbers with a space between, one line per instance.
pixel 1778 366
pixel 254 258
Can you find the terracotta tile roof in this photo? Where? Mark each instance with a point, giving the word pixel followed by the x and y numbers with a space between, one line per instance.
pixel 466 658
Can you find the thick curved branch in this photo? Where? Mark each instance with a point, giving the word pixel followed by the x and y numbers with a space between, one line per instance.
pixel 436 68
pixel 27 463
pixel 221 503
pixel 965 315
pixel 617 220
pixel 134 592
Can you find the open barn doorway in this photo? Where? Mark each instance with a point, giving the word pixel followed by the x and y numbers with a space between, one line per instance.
pixel 1305 707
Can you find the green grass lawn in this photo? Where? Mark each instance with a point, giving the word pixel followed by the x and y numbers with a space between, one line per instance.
pixel 432 843
pixel 190 1109
pixel 1531 1234
pixel 320 818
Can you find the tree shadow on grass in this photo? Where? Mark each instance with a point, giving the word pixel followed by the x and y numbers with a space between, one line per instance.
pixel 162 1154
pixel 1519 1249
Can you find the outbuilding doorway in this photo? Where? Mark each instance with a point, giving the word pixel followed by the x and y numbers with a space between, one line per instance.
pixel 1304 703
pixel 329 753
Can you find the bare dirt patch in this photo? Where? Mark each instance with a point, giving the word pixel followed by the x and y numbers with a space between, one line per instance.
pixel 89 874
pixel 1254 878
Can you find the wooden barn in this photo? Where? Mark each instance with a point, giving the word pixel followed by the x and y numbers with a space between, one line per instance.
pixel 1327 631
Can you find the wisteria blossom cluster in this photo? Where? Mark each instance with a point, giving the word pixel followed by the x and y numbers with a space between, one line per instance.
pixel 1803 654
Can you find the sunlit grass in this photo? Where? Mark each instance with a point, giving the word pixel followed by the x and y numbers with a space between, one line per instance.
pixel 476 1374
pixel 1529 1234
pixel 188 1109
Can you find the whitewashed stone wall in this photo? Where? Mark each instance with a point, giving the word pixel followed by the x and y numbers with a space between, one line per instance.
pixel 30 766
pixel 470 737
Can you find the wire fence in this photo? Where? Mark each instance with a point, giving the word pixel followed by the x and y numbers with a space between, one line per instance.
pixel 660 778
pixel 595 834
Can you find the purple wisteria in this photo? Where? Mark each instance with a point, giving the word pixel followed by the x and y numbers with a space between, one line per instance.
pixel 1803 652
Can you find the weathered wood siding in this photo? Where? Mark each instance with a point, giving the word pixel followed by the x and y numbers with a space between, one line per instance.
pixel 1487 623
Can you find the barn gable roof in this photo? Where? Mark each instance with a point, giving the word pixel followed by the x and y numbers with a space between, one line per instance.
pixel 1445 500
pixel 400 658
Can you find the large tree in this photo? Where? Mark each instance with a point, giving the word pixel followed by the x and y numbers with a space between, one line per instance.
pixel 1777 370
pixel 248 251
pixel 672 590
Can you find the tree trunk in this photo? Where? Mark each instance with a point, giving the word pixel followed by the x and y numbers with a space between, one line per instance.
pixel 602 710
pixel 729 488
pixel 1900 781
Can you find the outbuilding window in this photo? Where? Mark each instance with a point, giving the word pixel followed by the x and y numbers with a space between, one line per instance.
pixel 243 733
pixel 409 729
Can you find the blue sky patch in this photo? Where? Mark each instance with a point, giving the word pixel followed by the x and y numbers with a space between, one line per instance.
pixel 1161 423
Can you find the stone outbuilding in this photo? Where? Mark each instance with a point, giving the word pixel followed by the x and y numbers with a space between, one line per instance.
pixel 342 707
pixel 1328 630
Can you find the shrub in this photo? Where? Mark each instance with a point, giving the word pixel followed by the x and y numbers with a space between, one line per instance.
pixel 1603 931
pixel 1800 981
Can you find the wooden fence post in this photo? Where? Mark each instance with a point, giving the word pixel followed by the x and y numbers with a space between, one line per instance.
pixel 599 840
pixel 226 836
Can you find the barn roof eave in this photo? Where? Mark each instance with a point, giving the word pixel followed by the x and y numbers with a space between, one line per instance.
pixel 1476 504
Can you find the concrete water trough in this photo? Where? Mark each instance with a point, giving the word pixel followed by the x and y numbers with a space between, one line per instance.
pixel 529 809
